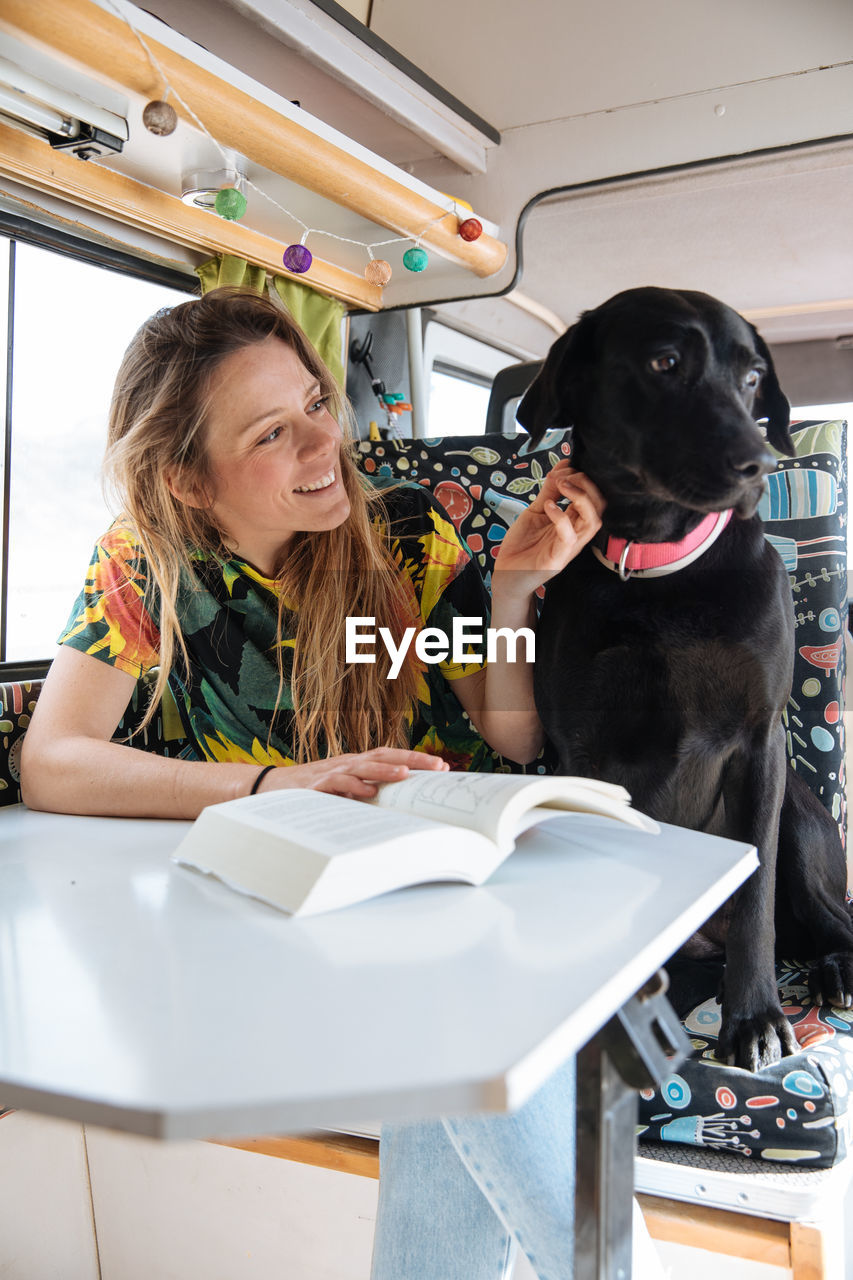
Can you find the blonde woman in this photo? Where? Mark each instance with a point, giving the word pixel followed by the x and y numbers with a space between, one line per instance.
pixel 245 539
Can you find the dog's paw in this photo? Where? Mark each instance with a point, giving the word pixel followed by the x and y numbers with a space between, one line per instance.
pixel 831 980
pixel 756 1042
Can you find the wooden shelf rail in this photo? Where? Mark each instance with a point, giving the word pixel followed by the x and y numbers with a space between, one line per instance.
pixel 105 44
pixel 31 162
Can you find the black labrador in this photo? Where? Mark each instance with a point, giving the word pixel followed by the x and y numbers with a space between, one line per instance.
pixel 671 678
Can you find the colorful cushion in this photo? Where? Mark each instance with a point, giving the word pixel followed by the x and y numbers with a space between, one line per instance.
pixel 17 700
pixel 797 1111
pixel 481 481
pixel 805 514
pixel 164 735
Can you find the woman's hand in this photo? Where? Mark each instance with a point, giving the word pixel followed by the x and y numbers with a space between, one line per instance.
pixel 357 775
pixel 546 537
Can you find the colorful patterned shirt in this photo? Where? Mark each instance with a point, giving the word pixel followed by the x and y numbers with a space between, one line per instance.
pixel 229 700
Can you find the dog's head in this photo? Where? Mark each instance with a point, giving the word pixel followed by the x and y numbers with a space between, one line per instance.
pixel 663 388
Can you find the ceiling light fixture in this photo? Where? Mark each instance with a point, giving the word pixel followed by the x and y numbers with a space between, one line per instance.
pixel 59 105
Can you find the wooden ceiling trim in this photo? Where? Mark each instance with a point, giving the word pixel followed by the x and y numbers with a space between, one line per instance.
pixel 104 43
pixel 31 162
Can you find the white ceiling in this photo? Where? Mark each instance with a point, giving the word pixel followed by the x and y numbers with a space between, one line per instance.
pixel 519 64
pixel 619 87
pixel 772 236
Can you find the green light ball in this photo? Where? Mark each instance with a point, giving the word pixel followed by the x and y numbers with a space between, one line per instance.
pixel 230 203
pixel 415 259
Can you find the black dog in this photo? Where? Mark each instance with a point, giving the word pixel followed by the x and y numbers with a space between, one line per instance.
pixel 673 684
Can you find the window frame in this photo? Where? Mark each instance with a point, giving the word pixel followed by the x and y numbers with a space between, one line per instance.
pixel 15 229
pixel 455 352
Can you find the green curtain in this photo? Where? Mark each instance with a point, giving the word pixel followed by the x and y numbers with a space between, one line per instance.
pixel 319 317
pixel 226 269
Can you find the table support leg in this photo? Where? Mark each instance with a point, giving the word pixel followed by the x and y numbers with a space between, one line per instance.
pixel 637 1049
pixel 607 1113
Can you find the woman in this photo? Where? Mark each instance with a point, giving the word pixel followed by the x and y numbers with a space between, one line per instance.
pixel 246 538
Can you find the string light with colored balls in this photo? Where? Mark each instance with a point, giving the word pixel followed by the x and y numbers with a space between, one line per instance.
pixel 159 117
pixel 230 203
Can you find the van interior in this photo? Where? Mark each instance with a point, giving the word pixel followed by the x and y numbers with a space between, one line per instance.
pixel 451 186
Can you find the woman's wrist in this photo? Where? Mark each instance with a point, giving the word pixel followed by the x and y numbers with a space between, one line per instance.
pixel 256 785
pixel 513 597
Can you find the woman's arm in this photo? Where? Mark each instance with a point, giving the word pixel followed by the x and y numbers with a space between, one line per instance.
pixel 541 542
pixel 70 765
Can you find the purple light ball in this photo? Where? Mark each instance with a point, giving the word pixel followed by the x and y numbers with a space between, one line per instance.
pixel 297 258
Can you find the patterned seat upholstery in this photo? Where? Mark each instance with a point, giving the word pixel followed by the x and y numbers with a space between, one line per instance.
pixel 17 700
pixel 481 481
pixel 164 735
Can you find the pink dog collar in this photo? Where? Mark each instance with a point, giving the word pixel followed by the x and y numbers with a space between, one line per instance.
pixel 654 559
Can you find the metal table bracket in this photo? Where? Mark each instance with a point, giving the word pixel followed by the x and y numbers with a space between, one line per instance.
pixel 637 1049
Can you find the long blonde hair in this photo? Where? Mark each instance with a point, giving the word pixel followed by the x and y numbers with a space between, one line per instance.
pixel 157 428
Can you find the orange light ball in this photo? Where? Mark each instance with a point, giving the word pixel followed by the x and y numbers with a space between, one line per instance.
pixel 378 272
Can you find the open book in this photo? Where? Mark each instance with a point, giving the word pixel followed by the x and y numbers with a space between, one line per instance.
pixel 308 852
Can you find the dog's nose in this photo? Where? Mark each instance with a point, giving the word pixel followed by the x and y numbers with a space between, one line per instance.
pixel 755 467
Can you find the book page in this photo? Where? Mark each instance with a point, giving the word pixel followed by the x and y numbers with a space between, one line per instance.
pixel 332 824
pixel 469 799
pixel 494 803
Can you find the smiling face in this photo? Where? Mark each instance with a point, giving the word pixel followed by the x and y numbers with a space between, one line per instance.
pixel 273 450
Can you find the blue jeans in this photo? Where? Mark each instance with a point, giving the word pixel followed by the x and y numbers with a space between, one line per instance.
pixel 458 1196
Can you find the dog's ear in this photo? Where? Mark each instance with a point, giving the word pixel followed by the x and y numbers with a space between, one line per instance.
pixel 550 400
pixel 772 403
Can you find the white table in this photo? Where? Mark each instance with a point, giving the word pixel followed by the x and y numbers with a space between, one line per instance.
pixel 142 996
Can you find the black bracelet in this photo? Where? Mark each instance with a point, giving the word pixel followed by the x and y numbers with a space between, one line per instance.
pixel 263 773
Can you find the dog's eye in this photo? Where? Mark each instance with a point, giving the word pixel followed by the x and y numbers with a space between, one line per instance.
pixel 664 364
pixel 753 378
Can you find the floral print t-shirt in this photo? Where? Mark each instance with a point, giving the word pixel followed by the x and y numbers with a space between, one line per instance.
pixel 229 700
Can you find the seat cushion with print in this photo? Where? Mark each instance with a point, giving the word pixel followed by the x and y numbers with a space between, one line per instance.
pixel 796 1112
pixel 17 700
pixel 481 481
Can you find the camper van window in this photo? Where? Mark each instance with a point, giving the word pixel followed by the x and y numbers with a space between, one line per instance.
pixel 460 370
pixel 457 403
pixel 69 322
